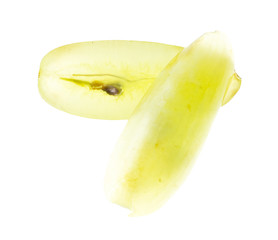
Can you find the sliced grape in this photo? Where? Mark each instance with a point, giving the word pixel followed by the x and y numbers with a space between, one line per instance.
pixel 165 132
pixel 102 79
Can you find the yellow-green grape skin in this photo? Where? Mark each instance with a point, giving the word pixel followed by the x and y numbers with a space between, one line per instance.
pixel 232 89
pixel 103 79
pixel 165 133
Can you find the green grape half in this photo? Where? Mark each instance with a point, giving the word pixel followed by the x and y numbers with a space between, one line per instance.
pixel 168 127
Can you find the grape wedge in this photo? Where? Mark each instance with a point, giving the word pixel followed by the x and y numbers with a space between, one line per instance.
pixel 168 127
pixel 103 79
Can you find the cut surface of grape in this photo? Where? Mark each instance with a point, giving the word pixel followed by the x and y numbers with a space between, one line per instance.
pixel 167 129
pixel 103 79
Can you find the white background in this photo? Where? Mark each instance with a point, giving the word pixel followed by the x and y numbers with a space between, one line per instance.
pixel 52 164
